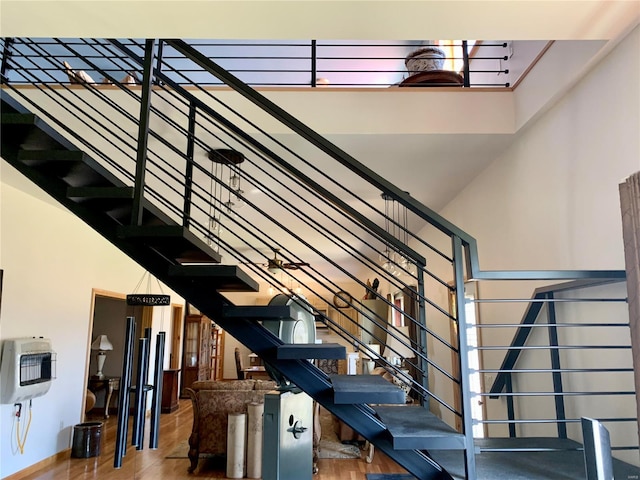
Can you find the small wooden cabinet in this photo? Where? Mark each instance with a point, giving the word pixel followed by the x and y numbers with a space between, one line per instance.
pixel 169 391
pixel 217 352
pixel 346 318
pixel 196 361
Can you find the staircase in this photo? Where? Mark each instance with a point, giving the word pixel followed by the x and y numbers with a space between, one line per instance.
pixel 115 158
pixel 190 267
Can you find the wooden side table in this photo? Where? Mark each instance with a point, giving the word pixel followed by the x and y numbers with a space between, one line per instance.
pixel 108 384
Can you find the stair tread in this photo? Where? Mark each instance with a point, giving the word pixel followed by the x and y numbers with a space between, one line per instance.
pixel 259 312
pixel 100 192
pixel 365 389
pixel 14 118
pixel 223 277
pixel 413 427
pixel 298 351
pixel 51 155
pixel 173 241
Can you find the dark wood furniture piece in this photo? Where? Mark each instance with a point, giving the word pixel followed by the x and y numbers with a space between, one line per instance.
pixel 169 391
pixel 108 384
pixel 196 360
pixel 256 373
pixel 217 352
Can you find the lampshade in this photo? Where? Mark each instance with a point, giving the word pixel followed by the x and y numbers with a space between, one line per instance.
pixel 396 346
pixel 101 343
pixel 371 351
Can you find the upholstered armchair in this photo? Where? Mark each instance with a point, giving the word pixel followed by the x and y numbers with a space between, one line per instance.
pixel 213 401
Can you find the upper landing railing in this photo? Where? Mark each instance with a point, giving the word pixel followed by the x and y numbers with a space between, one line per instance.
pixel 314 63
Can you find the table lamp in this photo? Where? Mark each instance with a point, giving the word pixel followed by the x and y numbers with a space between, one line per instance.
pixel 370 353
pixel 102 344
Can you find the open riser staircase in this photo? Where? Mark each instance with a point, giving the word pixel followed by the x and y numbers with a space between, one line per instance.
pixel 141 165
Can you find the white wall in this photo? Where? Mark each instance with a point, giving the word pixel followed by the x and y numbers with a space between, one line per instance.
pixel 51 262
pixel 551 200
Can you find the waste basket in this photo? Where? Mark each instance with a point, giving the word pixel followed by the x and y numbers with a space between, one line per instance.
pixel 86 440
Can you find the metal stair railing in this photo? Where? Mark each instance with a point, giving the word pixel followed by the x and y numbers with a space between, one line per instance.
pixel 159 166
pixel 109 117
pixel 322 219
pixel 570 357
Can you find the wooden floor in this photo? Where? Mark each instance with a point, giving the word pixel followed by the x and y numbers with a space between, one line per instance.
pixel 150 464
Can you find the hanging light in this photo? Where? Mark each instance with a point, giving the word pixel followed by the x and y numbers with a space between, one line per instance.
pixel 222 158
pixel 392 260
pixel 238 198
pixel 234 181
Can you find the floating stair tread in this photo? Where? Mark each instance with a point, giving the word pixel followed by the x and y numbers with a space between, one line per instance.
pixel 14 118
pixel 259 312
pixel 300 351
pixel 173 241
pixel 222 277
pixel 100 192
pixel 415 428
pixel 352 389
pixel 31 131
pixel 29 156
pixel 114 201
pixel 74 166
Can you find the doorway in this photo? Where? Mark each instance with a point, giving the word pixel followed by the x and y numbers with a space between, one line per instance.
pixel 109 317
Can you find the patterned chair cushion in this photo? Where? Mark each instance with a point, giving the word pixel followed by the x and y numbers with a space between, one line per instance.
pixel 222 385
pixel 212 402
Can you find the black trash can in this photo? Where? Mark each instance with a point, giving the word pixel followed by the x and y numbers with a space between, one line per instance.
pixel 86 440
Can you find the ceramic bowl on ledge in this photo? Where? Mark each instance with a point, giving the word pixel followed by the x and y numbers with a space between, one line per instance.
pixel 425 59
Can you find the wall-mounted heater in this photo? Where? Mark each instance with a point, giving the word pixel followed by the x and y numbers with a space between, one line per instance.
pixel 27 368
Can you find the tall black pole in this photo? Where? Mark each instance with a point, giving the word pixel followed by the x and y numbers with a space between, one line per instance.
pixel 157 391
pixel 125 392
pixel 143 132
pixel 138 415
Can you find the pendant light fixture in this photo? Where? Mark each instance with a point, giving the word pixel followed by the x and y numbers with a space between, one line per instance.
pixel 395 223
pixel 223 159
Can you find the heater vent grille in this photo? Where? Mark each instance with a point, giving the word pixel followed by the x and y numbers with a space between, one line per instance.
pixel 37 368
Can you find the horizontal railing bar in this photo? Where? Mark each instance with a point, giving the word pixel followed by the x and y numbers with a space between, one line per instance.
pixel 558 370
pixel 320 43
pixel 531 449
pixel 553 347
pixel 548 325
pixel 545 449
pixel 554 394
pixel 553 420
pixel 524 275
pixel 546 300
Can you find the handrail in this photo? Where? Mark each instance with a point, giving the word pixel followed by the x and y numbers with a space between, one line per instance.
pixel 387 187
pixel 529 317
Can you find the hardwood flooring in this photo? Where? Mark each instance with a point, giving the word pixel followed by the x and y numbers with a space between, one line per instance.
pixel 150 464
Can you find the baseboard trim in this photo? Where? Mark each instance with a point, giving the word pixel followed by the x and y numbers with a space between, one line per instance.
pixel 41 464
